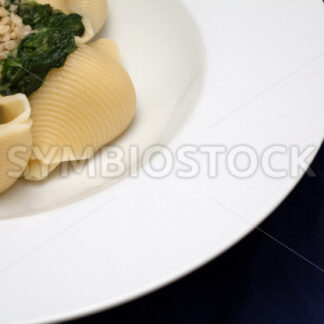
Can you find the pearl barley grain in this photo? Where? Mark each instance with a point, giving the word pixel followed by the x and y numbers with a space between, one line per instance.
pixel 12 29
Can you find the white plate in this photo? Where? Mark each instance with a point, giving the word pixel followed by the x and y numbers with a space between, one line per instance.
pixel 224 72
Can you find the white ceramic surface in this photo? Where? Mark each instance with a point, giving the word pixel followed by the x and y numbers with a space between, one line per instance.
pixel 224 72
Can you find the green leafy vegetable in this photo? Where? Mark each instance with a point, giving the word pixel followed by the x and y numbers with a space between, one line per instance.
pixel 24 70
pixel 35 14
pixel 39 16
pixel 37 54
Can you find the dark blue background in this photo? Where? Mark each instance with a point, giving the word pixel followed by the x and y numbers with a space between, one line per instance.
pixel 257 281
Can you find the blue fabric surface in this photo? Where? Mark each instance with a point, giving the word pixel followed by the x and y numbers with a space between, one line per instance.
pixel 257 281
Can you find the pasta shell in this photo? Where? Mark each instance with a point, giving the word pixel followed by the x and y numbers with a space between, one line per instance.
pixel 57 4
pixel 80 107
pixel 15 138
pixel 93 12
pixel 107 48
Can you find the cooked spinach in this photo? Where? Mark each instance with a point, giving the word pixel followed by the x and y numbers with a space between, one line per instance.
pixel 24 70
pixel 35 14
pixel 36 55
pixel 39 16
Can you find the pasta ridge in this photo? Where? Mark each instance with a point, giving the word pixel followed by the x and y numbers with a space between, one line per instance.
pixel 86 103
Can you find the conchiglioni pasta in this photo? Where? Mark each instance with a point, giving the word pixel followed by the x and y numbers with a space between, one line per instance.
pixel 15 138
pixel 93 12
pixel 80 108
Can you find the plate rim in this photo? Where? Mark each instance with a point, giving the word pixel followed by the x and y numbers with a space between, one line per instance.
pixel 105 305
